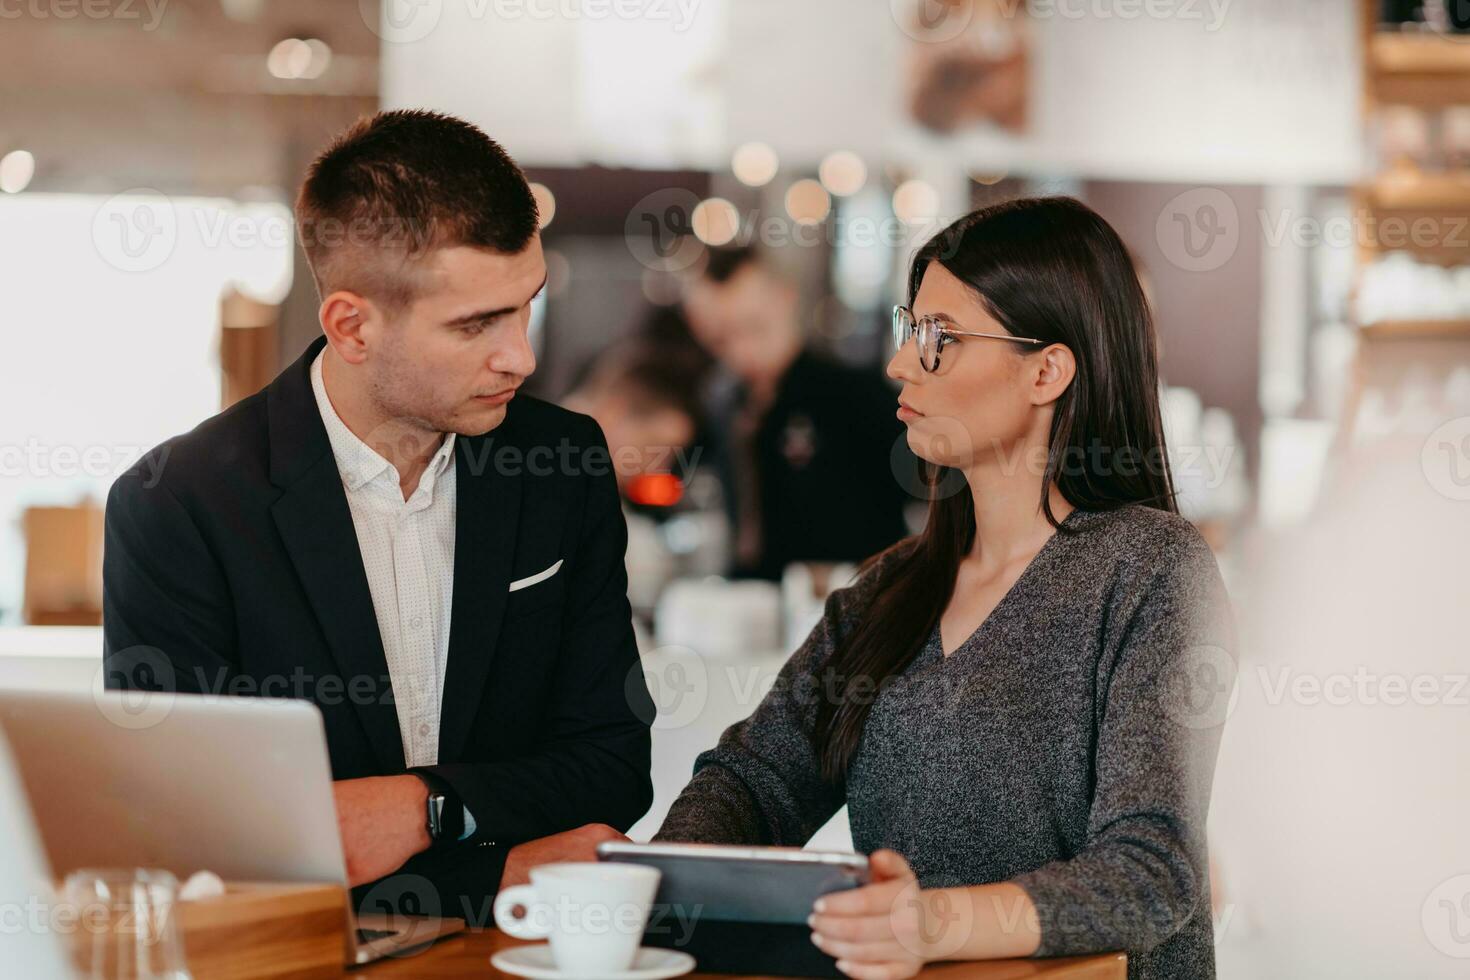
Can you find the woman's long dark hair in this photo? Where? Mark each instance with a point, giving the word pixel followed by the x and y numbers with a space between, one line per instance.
pixel 1052 269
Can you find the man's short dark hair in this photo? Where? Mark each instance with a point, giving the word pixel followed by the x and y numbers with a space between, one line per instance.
pixel 723 263
pixel 400 184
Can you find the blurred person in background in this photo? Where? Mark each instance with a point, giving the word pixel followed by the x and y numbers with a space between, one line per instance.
pixel 666 329
pixel 647 403
pixel 802 444
pixel 645 397
pixel 1004 702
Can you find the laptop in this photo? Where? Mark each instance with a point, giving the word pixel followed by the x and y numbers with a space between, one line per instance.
pixel 25 885
pixel 238 786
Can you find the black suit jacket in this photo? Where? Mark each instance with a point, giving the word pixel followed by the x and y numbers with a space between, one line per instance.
pixel 237 571
pixel 827 455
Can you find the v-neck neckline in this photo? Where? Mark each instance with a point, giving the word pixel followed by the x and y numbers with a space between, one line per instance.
pixel 1010 595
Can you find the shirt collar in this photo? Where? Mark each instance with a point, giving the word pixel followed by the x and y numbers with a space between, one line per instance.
pixel 356 461
pixel 442 460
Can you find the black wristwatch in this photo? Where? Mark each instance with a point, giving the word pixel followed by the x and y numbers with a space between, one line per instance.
pixel 445 816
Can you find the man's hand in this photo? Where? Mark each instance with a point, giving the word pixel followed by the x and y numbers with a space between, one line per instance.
pixel 571 845
pixel 383 822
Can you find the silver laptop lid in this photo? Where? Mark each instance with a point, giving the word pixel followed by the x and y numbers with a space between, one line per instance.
pixel 238 786
pixel 32 947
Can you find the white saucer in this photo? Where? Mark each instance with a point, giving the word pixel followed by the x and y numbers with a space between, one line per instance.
pixel 536 962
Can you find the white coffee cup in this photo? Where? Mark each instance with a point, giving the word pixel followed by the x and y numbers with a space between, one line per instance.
pixel 593 913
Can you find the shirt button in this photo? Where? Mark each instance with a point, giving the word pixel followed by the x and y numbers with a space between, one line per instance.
pixel 424 730
pixel 416 622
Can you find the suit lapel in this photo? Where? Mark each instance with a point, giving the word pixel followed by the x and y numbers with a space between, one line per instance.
pixel 487 517
pixel 316 526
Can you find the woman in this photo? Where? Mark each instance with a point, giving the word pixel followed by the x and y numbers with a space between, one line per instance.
pixel 1021 705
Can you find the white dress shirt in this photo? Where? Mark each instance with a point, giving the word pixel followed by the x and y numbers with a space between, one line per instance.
pixel 408 553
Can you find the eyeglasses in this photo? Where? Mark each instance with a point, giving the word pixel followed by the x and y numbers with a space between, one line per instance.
pixel 934 333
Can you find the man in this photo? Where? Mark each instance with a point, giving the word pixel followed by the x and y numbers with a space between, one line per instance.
pixel 392 532
pixel 803 444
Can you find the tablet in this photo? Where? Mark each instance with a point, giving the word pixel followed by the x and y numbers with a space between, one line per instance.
pixel 741 909
pixel 743 884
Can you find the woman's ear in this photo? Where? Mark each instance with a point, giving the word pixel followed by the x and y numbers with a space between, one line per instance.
pixel 1057 368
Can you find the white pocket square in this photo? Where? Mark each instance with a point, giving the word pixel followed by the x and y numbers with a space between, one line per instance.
pixel 529 580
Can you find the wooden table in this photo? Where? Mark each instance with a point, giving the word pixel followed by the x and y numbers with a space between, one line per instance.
pixel 468 955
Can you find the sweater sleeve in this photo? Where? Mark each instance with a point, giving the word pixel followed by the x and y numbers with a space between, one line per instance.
pixel 1164 684
pixel 761 784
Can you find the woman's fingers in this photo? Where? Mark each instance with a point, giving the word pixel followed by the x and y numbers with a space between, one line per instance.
pixel 887 865
pixel 878 971
pixel 874 899
pixel 852 928
pixel 882 951
pixel 871 931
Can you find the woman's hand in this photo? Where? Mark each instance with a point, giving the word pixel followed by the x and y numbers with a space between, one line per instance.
pixel 880 931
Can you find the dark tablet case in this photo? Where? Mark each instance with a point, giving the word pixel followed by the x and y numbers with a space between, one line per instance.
pixel 747 916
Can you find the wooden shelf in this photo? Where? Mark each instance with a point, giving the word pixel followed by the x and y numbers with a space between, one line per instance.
pixel 1408 191
pixel 1418 53
pixel 1426 215
pixel 1424 69
pixel 1428 71
pixel 1416 330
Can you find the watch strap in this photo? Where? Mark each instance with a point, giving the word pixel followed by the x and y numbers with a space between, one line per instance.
pixel 449 825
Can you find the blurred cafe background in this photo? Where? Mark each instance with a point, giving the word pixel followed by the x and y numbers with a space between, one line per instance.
pixel 730 191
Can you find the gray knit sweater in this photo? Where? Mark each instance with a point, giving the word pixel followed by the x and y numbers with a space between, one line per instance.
pixel 1068 745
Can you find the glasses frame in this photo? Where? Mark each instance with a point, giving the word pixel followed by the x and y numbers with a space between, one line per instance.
pixel 945 334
